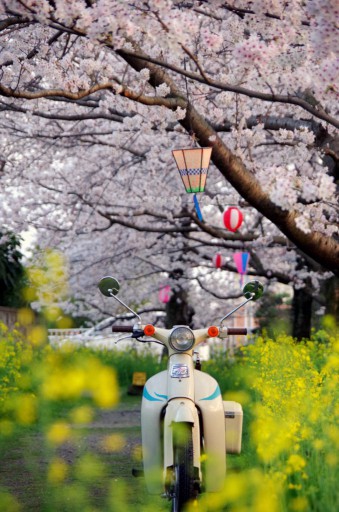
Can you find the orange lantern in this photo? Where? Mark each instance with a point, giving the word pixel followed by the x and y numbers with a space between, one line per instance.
pixel 193 166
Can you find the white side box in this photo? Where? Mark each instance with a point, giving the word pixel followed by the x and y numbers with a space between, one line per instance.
pixel 233 426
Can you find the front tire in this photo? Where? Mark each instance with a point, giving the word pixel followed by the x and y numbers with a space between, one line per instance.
pixel 183 469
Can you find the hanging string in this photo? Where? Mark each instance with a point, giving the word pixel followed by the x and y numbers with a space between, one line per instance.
pixel 191 132
pixel 195 143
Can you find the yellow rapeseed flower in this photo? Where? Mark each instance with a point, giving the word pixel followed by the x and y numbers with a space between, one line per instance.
pixel 64 383
pixel 104 386
pixel 57 471
pixel 8 502
pixel 267 495
pixel 113 443
pixel 6 427
pixel 137 453
pixel 332 459
pixel 37 335
pixel 318 444
pixel 299 504
pixel 82 414
pixel 89 469
pixel 58 433
pixel 25 316
pixel 271 436
pixel 26 409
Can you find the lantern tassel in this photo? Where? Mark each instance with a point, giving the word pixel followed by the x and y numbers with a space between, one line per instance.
pixel 197 208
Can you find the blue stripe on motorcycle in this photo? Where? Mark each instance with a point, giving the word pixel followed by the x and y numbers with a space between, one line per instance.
pixel 165 397
pixel 150 397
pixel 216 393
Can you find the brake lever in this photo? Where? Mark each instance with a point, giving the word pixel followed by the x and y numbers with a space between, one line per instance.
pixel 123 338
pixel 135 335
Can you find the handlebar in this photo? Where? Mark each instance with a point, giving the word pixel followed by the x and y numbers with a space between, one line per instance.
pixel 230 330
pixel 236 330
pixel 122 328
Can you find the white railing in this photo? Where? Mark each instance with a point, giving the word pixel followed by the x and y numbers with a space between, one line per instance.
pixel 66 333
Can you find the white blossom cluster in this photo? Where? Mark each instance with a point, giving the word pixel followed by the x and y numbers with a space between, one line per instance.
pixel 94 174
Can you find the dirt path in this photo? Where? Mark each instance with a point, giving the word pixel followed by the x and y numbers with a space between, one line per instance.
pixel 119 418
pixel 25 461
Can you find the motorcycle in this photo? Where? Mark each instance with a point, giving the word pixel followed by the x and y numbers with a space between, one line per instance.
pixel 186 427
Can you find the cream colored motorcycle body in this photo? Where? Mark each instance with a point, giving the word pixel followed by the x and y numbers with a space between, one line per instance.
pixel 182 394
pixel 182 413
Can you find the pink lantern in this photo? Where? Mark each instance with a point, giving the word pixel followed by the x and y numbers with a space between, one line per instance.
pixel 241 260
pixel 218 260
pixel 164 294
pixel 232 219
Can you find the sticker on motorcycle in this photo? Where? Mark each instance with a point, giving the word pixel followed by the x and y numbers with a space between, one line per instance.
pixel 179 371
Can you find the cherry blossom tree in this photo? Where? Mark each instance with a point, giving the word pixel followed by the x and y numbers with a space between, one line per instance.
pixel 95 94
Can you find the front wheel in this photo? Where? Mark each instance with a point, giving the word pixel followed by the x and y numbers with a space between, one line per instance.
pixel 183 469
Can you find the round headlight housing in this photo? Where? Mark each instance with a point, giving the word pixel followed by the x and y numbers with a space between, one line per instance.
pixel 181 339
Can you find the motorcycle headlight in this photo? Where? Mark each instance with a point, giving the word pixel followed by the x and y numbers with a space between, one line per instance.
pixel 181 339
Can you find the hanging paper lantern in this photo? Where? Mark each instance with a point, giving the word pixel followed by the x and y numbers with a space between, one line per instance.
pixel 241 261
pixel 232 219
pixel 218 260
pixel 193 166
pixel 164 294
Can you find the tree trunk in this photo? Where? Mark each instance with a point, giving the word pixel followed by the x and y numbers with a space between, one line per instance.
pixel 302 313
pixel 178 311
pixel 330 294
pixel 332 303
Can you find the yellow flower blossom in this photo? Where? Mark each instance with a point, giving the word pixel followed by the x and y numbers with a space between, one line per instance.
pixel 299 504
pixel 89 468
pixel 8 502
pixel 37 335
pixel 58 433
pixel 26 409
pixel 82 414
pixel 6 427
pixel 137 453
pixel 318 444
pixel 25 316
pixel 332 459
pixel 57 471
pixel 113 443
pixel 295 463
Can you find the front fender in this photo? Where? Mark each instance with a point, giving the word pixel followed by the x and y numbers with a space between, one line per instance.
pixel 181 410
pixel 184 412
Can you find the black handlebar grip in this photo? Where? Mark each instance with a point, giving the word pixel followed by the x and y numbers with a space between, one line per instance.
pixel 237 330
pixel 122 328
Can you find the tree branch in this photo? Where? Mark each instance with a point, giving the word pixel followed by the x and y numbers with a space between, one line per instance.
pixel 323 249
pixel 274 98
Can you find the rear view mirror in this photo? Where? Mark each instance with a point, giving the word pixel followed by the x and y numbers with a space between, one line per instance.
pixel 109 286
pixel 253 290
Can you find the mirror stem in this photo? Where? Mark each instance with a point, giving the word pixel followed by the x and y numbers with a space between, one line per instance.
pixel 125 305
pixel 235 309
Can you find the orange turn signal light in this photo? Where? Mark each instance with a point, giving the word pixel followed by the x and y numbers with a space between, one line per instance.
pixel 149 330
pixel 213 331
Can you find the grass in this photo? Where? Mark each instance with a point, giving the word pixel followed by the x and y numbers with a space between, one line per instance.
pixel 25 463
pixel 22 470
